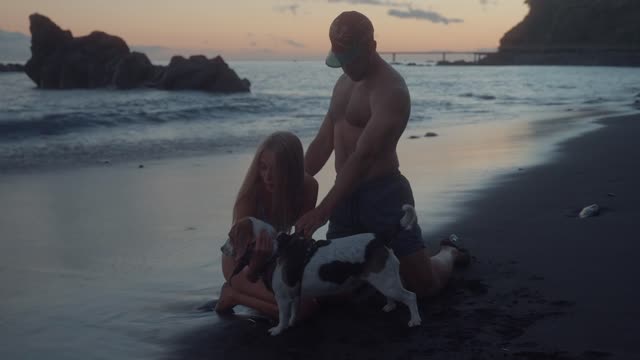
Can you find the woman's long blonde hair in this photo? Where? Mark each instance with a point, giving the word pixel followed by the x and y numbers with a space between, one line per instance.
pixel 287 200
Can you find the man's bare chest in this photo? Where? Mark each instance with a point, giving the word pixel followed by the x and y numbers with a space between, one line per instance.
pixel 355 110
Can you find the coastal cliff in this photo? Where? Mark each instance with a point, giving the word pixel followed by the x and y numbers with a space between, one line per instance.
pixel 573 32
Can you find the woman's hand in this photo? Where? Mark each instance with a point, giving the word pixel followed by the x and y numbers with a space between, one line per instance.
pixel 261 255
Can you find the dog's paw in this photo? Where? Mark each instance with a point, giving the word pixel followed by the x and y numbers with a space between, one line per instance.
pixel 415 322
pixel 276 330
pixel 389 307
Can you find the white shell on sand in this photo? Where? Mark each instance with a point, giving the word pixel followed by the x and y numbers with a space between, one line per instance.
pixel 591 210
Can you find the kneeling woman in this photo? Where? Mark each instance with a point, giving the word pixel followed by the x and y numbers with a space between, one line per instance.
pixel 278 191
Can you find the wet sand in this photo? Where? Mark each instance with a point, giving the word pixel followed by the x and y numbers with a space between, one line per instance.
pixel 543 284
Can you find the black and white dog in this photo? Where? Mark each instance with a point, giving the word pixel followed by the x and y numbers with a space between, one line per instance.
pixel 307 268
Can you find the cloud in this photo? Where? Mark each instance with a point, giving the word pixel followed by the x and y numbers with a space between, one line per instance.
pixel 371 2
pixel 427 15
pixel 293 8
pixel 275 40
pixel 399 9
pixel 485 3
pixel 293 43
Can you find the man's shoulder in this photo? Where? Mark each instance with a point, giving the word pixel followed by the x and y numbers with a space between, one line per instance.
pixel 392 89
pixel 345 82
pixel 391 92
pixel 391 82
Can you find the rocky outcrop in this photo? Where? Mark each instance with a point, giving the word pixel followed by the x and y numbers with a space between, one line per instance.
pixel 133 70
pixel 455 63
pixel 573 32
pixel 200 73
pixel 60 61
pixel 11 68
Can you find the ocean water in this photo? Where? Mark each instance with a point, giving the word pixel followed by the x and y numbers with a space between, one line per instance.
pixel 66 128
pixel 108 261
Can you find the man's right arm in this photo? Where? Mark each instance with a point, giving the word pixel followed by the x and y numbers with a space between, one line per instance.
pixel 321 147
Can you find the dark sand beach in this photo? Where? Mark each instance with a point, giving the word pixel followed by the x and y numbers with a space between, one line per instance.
pixel 544 284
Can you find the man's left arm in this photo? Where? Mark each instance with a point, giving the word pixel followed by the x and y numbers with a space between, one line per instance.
pixel 389 116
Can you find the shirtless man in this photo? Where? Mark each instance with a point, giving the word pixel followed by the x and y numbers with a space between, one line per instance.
pixel 369 110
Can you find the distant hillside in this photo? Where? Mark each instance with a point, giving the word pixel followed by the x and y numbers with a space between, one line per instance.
pixel 574 32
pixel 606 24
pixel 14 47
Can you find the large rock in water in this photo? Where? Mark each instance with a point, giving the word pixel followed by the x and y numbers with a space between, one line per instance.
pixel 60 61
pixel 200 73
pixel 133 70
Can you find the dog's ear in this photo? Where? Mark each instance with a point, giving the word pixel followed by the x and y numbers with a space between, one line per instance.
pixel 241 237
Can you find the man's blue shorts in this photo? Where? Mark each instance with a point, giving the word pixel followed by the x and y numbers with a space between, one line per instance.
pixel 376 207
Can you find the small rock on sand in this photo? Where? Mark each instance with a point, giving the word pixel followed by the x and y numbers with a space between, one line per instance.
pixel 589 211
pixel 430 134
pixel 414 137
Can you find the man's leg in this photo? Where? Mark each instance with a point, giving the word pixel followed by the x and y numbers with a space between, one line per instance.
pixel 426 275
pixel 380 211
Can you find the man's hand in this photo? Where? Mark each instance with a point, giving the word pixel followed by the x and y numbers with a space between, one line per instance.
pixel 312 221
pixel 261 254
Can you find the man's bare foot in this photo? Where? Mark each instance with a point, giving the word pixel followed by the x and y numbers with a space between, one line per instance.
pixel 226 302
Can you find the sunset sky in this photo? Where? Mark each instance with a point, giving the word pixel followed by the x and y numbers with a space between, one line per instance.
pixel 281 29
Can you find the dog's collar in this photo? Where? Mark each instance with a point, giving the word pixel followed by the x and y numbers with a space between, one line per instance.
pixel 313 247
pixel 266 273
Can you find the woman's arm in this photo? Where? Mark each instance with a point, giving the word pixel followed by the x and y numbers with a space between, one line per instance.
pixel 243 207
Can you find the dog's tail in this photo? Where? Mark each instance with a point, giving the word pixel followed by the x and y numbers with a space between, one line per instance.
pixel 407 222
pixel 409 219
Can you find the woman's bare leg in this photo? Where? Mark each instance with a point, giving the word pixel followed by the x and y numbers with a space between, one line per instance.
pixel 238 290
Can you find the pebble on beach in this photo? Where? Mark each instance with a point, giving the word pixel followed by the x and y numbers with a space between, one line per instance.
pixel 589 211
pixel 430 134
